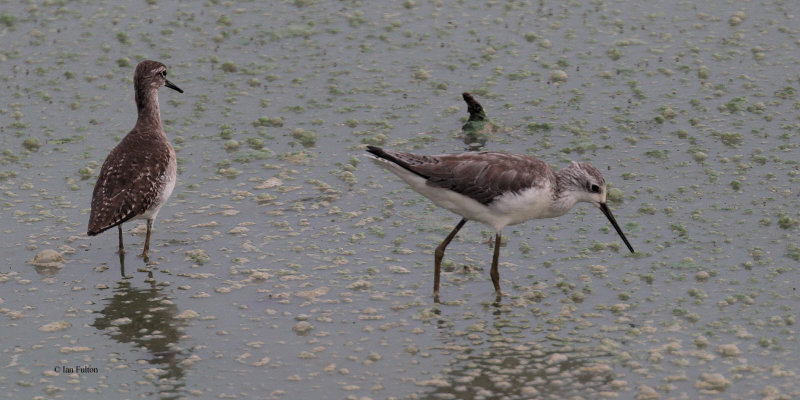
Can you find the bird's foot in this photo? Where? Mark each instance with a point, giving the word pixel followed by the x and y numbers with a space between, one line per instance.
pixel 498 295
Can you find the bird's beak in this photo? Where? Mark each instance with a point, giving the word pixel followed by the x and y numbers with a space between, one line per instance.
pixel 172 86
pixel 604 208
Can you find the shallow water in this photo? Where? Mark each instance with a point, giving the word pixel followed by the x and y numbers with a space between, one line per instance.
pixel 286 265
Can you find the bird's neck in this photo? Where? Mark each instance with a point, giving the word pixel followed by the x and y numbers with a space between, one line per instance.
pixel 563 196
pixel 147 105
pixel 562 203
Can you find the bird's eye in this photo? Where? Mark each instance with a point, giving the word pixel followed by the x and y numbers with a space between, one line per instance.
pixel 164 74
pixel 595 189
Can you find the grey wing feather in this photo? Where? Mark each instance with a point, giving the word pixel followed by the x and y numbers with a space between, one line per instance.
pixel 480 176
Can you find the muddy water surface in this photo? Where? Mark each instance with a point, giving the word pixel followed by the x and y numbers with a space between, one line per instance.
pixel 287 266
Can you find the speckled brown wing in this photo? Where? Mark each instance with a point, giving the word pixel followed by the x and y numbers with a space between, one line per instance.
pixel 481 176
pixel 128 183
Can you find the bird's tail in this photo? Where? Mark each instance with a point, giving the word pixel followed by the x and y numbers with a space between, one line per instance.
pixel 392 157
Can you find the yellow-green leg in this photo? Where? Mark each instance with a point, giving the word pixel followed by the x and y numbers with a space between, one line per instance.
pixel 147 239
pixel 121 247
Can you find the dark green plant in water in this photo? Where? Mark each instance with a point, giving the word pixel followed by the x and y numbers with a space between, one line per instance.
pixel 478 128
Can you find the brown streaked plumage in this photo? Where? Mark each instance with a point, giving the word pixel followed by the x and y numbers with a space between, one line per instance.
pixel 496 189
pixel 139 174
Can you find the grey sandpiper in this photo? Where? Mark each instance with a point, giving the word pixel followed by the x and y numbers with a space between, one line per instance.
pixel 496 189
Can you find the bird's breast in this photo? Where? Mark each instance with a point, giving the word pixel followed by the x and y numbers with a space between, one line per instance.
pixel 531 203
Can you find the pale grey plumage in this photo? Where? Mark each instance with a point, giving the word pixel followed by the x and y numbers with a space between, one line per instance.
pixel 481 176
pixel 497 189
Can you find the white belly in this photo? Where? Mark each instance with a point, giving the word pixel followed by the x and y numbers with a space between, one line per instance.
pixel 167 184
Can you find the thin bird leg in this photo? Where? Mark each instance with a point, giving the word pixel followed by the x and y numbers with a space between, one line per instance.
pixel 439 254
pixel 494 273
pixel 121 247
pixel 122 264
pixel 147 239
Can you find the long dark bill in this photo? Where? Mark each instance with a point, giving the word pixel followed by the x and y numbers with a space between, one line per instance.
pixel 172 86
pixel 604 208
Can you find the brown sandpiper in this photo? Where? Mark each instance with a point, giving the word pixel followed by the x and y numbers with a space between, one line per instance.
pixel 139 174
